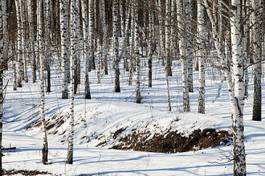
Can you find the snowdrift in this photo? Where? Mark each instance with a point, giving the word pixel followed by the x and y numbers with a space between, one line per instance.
pixel 138 127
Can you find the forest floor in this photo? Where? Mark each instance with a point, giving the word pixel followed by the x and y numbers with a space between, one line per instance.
pixel 99 119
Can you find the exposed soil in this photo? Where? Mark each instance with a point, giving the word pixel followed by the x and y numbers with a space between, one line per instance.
pixel 51 124
pixel 24 172
pixel 173 142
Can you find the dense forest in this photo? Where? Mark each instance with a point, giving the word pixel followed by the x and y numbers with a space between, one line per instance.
pixel 86 42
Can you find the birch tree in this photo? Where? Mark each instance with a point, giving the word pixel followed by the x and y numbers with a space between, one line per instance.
pixel 23 40
pixel 40 28
pixel 91 23
pixel 235 80
pixel 189 38
pixel 32 39
pixel 20 74
pixel 238 75
pixel 257 57
pixel 105 36
pixel 64 46
pixel 73 54
pixel 201 39
pixel 168 38
pixel 116 58
pixel 183 55
pixel 2 23
pixel 84 6
pixel 151 45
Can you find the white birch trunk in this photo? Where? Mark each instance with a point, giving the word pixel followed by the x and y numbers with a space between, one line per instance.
pixel 151 46
pixel 64 46
pixel 73 42
pixel 19 44
pixel 168 38
pixel 183 55
pixel 132 44
pixel 137 53
pixel 189 54
pixel 42 79
pixel 238 77
pixel 91 35
pixel 105 36
pixel 201 40
pixel 32 55
pixel 84 6
pixel 2 13
pixel 257 57
pixel 23 39
pixel 116 58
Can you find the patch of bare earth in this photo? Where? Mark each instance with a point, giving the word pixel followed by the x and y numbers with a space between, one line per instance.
pixel 24 172
pixel 173 142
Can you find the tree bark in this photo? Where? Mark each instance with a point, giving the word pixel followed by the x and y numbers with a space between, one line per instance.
pixel 183 55
pixel 84 6
pixel 73 52
pixel 201 40
pixel 40 9
pixel 64 46
pixel 238 102
pixel 116 59
pixel 257 57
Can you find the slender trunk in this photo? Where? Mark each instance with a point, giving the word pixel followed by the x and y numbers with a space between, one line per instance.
pixel 189 54
pixel 201 40
pixel 161 31
pixel 116 59
pixel 92 64
pixel 84 6
pixel 183 56
pixel 47 25
pixel 19 44
pixel 151 49
pixel 15 76
pixel 105 37
pixel 42 79
pixel 64 46
pixel 73 55
pixel 132 43
pixel 2 61
pixel 168 38
pixel 137 53
pixel 238 102
pixel 23 39
pixel 257 101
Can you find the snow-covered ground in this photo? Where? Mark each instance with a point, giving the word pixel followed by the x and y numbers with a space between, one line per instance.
pixel 108 111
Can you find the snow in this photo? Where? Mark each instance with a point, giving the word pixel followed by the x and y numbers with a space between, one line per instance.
pixel 108 112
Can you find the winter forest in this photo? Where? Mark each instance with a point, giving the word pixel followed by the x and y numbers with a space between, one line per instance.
pixel 132 87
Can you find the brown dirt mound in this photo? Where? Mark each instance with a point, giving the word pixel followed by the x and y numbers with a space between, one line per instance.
pixel 173 142
pixel 24 172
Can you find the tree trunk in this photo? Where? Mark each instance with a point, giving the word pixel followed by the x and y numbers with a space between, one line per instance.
pixel 183 55
pixel 92 64
pixel 23 39
pixel 2 13
pixel 73 54
pixel 116 59
pixel 19 44
pixel 189 54
pixel 84 6
pixel 257 57
pixel 64 46
pixel 168 38
pixel 40 9
pixel 201 40
pixel 105 36
pixel 238 102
